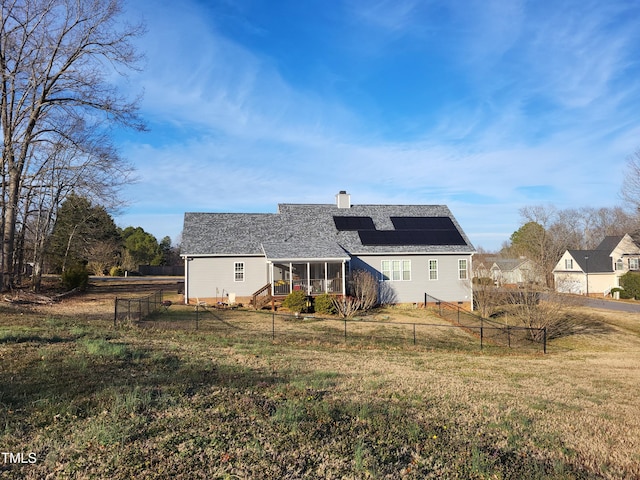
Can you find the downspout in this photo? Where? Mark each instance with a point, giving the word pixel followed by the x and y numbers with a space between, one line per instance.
pixel 186 280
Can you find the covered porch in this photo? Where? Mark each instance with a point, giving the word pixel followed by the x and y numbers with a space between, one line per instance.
pixel 314 277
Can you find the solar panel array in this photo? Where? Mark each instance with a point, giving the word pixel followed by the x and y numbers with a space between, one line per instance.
pixel 353 223
pixel 407 231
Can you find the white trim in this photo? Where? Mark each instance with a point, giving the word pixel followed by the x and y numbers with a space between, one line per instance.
pixel 222 255
pixel 466 269
pixel 391 270
pixel 429 260
pixel 242 271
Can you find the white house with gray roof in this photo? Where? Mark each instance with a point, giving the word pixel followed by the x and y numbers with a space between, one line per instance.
pixel 596 272
pixel 411 250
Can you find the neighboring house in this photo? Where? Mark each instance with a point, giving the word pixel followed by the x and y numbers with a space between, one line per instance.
pixel 513 271
pixel 505 271
pixel 596 272
pixel 411 250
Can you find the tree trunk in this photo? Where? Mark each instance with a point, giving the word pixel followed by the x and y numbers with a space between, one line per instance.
pixel 9 234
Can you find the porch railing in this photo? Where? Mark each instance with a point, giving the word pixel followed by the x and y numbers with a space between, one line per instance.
pixel 315 286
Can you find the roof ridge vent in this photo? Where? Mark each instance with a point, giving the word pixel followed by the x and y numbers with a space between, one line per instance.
pixel 343 199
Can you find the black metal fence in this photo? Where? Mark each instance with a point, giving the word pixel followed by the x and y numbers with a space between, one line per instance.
pixel 136 309
pixel 489 331
pixel 366 330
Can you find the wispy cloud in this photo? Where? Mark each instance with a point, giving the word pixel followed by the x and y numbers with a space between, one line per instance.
pixel 503 104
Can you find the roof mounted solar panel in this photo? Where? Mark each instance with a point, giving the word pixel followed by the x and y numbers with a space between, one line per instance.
pixel 423 223
pixel 410 237
pixel 344 223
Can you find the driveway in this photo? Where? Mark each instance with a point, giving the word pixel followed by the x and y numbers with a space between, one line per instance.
pixel 612 305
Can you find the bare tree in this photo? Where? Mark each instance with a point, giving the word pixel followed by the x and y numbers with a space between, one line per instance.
pixel 364 287
pixel 55 60
pixel 537 311
pixel 630 190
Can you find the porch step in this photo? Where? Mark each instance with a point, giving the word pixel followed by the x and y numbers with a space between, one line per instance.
pixel 261 297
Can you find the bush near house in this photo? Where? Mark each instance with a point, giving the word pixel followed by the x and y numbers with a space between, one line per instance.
pixel 324 304
pixel 630 282
pixel 296 301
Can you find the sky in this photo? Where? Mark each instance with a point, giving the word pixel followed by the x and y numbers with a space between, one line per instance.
pixel 484 106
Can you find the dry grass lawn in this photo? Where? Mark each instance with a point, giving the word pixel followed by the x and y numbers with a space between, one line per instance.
pixel 93 401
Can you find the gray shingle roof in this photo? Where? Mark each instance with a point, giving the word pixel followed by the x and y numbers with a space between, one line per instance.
pixel 304 232
pixel 610 242
pixel 508 264
pixel 599 260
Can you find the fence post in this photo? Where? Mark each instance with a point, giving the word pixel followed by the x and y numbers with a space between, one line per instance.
pixel 425 300
pixel 345 329
pixel 481 333
pixel 414 333
pixel 509 336
pixel 197 315
pixel 273 325
pixel 544 340
pixel 115 313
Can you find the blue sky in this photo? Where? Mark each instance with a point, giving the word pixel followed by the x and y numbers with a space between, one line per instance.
pixel 485 106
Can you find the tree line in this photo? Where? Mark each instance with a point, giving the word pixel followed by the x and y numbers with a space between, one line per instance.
pixel 86 235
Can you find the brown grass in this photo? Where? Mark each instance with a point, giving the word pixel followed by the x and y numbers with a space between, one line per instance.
pixel 193 404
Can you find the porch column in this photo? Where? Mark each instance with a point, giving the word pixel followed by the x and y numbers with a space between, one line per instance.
pixel 270 279
pixel 326 278
pixel 344 278
pixel 308 278
pixel 290 277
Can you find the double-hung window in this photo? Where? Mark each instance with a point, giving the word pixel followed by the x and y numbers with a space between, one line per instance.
pixel 238 270
pixel 462 269
pixel 396 270
pixel 568 263
pixel 433 269
pixel 633 264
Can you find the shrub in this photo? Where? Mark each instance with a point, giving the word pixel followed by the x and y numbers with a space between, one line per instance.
pixel 364 287
pixel 116 272
pixel 76 276
pixel 630 281
pixel 324 304
pixel 296 301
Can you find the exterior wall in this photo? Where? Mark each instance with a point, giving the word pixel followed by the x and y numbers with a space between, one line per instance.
pixel 599 283
pixel 625 247
pixel 209 278
pixel 447 287
pixel 575 280
pixel 602 283
pixel 567 282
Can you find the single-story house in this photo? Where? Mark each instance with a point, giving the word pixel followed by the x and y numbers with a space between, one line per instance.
pixel 513 271
pixel 596 272
pixel 505 271
pixel 410 249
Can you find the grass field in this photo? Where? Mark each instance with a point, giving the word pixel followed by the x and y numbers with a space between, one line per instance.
pixel 82 399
